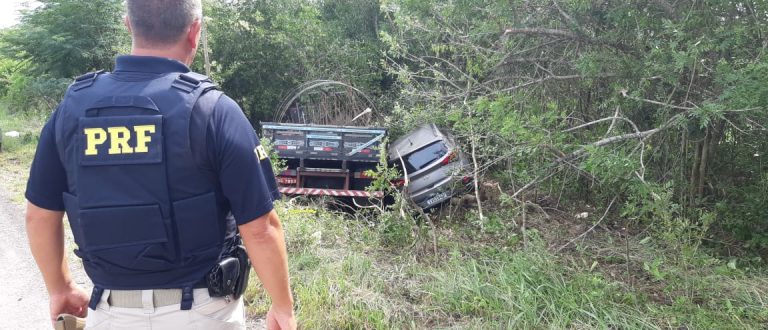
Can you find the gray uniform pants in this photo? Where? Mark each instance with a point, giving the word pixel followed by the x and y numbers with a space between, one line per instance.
pixel 206 313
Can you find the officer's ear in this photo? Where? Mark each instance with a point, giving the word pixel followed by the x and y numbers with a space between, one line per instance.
pixel 127 23
pixel 193 35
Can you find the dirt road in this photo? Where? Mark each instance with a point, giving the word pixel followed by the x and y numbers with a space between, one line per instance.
pixel 22 294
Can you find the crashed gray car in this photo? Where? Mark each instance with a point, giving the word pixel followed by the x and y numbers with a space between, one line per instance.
pixel 434 168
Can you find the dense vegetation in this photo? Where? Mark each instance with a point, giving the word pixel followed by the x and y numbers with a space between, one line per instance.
pixel 647 116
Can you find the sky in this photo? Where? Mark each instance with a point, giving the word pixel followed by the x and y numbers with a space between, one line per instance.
pixel 9 11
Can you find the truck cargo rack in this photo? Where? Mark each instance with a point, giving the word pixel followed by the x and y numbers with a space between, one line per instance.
pixel 380 133
pixel 325 160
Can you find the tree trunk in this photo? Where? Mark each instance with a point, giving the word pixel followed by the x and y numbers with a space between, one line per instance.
pixel 694 173
pixel 703 165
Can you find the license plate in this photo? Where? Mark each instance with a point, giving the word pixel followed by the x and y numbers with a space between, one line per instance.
pixel 286 180
pixel 437 198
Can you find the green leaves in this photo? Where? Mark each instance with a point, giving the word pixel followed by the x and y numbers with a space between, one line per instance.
pixel 55 42
pixel 66 38
pixel 708 113
pixel 263 48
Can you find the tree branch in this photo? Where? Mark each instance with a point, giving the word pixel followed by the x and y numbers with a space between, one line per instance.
pixel 637 135
pixel 625 94
pixel 544 32
pixel 614 118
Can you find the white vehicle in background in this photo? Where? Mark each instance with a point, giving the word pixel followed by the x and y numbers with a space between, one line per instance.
pixel 433 165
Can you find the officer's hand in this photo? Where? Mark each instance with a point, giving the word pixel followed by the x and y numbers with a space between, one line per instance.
pixel 70 300
pixel 280 320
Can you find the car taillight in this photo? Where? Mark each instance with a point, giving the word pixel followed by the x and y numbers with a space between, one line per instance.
pixel 451 157
pixel 398 182
pixel 466 179
pixel 282 147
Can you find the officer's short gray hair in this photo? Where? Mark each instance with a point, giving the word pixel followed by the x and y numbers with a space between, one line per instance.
pixel 162 22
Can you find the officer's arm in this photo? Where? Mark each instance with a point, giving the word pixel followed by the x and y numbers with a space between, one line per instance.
pixel 265 242
pixel 46 239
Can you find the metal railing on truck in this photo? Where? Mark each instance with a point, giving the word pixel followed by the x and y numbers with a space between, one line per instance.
pixel 324 159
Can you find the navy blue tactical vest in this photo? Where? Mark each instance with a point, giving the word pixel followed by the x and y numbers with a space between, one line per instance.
pixel 143 214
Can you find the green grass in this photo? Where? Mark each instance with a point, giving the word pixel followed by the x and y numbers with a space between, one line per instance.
pixel 16 158
pixel 17 153
pixel 345 276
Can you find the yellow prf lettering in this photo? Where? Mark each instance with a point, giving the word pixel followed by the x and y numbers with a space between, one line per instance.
pixel 118 138
pixel 94 137
pixel 142 139
pixel 261 153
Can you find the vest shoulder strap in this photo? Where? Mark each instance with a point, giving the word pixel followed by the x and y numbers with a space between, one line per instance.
pixel 200 117
pixel 86 80
pixel 190 81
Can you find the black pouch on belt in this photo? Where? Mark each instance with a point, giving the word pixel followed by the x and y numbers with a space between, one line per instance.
pixel 223 278
pixel 245 271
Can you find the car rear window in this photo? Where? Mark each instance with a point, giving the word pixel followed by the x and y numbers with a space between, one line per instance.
pixel 425 156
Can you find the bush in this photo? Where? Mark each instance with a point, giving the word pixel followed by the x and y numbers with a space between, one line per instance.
pixel 28 94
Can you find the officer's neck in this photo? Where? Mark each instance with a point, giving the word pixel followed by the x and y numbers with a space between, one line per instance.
pixel 175 53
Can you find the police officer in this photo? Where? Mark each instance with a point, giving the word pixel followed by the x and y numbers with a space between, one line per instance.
pixel 157 172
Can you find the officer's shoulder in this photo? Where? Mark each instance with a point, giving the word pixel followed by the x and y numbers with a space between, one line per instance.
pixel 225 105
pixel 226 110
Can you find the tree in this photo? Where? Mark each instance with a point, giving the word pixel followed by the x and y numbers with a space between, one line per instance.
pixel 55 42
pixel 261 49
pixel 66 38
